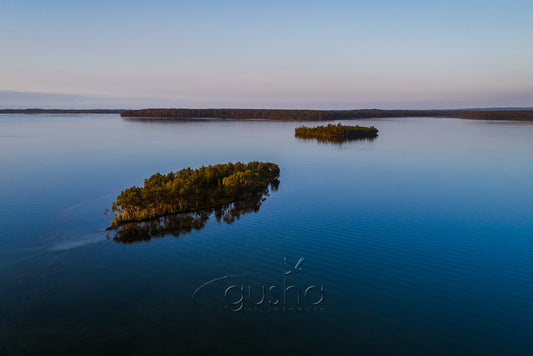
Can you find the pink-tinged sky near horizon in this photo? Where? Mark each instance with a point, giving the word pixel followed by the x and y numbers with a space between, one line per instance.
pixel 276 54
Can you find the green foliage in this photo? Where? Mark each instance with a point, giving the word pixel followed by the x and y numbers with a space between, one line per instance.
pixel 335 133
pixel 191 190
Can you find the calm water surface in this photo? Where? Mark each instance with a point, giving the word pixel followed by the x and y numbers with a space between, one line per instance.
pixel 421 239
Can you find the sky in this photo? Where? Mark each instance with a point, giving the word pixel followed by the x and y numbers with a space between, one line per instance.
pixel 268 54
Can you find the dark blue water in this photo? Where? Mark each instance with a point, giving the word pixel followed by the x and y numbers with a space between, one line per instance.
pixel 421 240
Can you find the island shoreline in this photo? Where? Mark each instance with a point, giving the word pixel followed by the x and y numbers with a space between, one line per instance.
pixel 190 211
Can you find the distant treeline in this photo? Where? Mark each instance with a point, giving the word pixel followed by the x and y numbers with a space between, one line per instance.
pixel 274 114
pixel 60 111
pixel 293 115
pixel 335 133
pixel 324 115
pixel 519 115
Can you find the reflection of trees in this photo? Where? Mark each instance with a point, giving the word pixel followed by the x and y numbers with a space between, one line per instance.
pixel 182 224
pixel 336 140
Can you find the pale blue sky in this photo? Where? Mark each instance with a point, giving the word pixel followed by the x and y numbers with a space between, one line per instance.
pixel 271 54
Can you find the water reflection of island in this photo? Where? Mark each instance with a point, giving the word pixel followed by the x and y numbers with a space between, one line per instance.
pixel 335 140
pixel 336 133
pixel 182 224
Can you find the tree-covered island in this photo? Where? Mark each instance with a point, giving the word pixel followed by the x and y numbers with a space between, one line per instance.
pixel 336 133
pixel 192 190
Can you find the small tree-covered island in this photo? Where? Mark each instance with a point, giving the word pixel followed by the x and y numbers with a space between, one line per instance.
pixel 192 190
pixel 336 133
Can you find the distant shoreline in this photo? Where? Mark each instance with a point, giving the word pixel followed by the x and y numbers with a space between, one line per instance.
pixel 325 115
pixel 506 114
pixel 61 111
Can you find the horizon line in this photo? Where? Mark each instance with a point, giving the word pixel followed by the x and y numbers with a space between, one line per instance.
pixel 7 110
